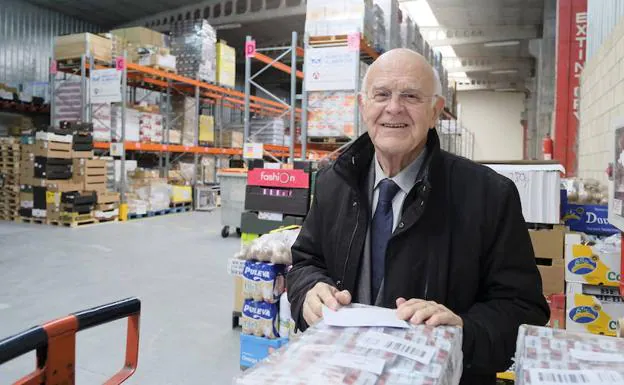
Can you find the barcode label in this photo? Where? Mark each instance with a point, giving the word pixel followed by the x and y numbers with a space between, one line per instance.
pixel 578 377
pixel 617 206
pixel 402 347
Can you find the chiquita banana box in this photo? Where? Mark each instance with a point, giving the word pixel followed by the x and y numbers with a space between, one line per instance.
pixel 595 265
pixel 593 309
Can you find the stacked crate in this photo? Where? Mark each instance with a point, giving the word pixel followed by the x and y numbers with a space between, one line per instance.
pixel 47 166
pixel 107 207
pixel 91 174
pixel 9 178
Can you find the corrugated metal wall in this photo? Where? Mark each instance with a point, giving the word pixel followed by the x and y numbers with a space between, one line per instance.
pixel 602 17
pixel 26 36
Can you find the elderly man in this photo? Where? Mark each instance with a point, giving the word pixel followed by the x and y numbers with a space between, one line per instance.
pixel 397 222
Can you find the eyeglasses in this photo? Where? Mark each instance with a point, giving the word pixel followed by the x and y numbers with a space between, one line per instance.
pixel 405 97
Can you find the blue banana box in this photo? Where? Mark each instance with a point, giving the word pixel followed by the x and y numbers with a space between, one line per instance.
pixel 588 219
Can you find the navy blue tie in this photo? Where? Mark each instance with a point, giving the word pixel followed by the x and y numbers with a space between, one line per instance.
pixel 381 231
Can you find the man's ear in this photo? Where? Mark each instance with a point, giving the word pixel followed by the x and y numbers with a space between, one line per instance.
pixel 437 110
pixel 360 99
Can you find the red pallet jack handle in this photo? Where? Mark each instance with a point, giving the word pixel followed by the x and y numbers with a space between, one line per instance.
pixel 55 343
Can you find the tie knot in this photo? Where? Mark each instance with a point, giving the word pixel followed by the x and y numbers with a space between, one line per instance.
pixel 387 190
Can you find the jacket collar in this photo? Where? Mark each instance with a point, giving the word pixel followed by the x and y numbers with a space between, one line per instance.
pixel 353 164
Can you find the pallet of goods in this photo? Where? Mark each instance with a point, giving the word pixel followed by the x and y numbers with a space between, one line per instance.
pixel 107 208
pixel 9 178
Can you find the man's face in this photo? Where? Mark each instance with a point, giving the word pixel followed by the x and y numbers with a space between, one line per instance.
pixel 397 105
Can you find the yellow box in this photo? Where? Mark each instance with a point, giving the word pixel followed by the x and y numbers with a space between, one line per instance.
pixel 181 194
pixel 226 65
pixel 593 309
pixel 591 264
pixel 206 128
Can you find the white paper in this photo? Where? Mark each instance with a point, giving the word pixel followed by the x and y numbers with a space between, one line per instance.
pixel 106 86
pixel 268 216
pixel 354 361
pixel 579 377
pixel 359 317
pixel 400 346
pixel 586 355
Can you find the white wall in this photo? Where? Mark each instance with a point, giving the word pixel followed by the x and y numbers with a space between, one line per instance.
pixel 602 103
pixel 494 118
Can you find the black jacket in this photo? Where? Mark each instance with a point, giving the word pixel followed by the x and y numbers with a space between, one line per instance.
pixel 462 242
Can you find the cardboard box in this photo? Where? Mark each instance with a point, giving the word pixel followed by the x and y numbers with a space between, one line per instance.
pixel 141 36
pixel 108 197
pixel 154 60
pixel 52 149
pixel 175 136
pixel 254 349
pixel 89 167
pixel 552 272
pixel 593 309
pixel 591 264
pixel 206 128
pixel 233 139
pixel 588 219
pixel 238 294
pixel 548 244
pixel 181 194
pixel 76 45
pixel 82 154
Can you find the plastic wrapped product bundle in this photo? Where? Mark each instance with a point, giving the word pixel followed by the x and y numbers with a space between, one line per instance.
pixel 418 355
pixel 263 281
pixel 272 247
pixel 547 356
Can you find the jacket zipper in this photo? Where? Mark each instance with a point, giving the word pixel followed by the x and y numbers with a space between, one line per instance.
pixel 344 269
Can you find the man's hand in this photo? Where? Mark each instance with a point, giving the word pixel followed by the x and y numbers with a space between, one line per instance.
pixel 418 311
pixel 323 294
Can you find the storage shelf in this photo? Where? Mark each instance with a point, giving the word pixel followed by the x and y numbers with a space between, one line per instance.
pixel 278 151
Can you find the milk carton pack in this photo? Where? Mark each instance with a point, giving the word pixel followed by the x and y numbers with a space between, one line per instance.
pixel 263 281
pixel 260 319
pixel 593 309
pixel 597 264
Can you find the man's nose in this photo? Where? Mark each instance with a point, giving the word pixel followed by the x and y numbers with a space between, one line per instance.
pixel 394 105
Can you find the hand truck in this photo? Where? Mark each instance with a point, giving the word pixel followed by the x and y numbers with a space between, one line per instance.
pixel 55 344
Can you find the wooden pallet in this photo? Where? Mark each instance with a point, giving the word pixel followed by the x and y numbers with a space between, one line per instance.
pixel 329 140
pixel 71 63
pixel 107 220
pixel 164 69
pixel 73 224
pixel 181 204
pixel 39 221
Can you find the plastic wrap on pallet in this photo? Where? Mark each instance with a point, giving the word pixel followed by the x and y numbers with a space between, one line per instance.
pixel 341 17
pixel 193 43
pixel 267 130
pixel 148 187
pixel 183 107
pixel 417 355
pixel 392 22
pixel 272 247
pixel 547 356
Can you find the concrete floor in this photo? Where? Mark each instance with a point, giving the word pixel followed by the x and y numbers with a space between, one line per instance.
pixel 176 266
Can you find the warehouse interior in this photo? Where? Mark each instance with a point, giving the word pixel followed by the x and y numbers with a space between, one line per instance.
pixel 142 146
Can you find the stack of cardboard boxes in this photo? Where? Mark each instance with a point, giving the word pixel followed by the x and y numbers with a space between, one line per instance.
pixel 145 47
pixel 592 275
pixel 9 178
pixel 60 182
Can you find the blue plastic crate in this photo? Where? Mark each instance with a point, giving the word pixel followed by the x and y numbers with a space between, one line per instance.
pixel 254 349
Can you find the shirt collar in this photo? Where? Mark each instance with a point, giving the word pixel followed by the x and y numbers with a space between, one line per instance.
pixel 406 178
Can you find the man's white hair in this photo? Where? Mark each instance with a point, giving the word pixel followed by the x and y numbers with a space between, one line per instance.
pixel 437 85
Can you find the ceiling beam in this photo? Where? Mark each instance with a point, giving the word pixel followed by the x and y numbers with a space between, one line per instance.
pixel 440 36
pixel 486 63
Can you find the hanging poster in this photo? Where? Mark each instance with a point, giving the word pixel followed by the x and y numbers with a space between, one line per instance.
pixel 330 69
pixel 105 86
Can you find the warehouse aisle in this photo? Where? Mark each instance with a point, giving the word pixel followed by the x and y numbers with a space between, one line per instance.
pixel 175 264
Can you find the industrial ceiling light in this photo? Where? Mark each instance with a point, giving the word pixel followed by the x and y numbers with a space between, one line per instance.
pixel 501 72
pixel 505 89
pixel 228 26
pixel 501 43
